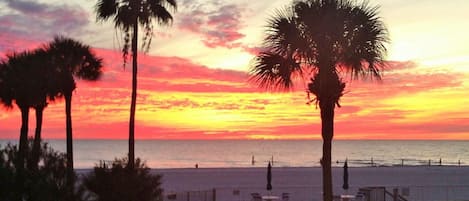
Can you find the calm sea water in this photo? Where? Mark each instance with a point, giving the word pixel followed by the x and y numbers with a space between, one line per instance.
pixel 285 153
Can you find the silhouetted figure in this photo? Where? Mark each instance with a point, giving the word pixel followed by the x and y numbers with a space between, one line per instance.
pixel 440 162
pixel 345 186
pixel 252 160
pixel 269 177
pixel 196 166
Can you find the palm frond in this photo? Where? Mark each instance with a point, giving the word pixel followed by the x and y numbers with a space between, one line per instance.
pixel 168 4
pixel 284 36
pixel 364 49
pixel 161 14
pixel 274 72
pixel 105 9
pixel 91 69
pixel 71 56
pixel 125 17
pixel 128 12
pixel 6 93
pixel 322 35
pixel 24 79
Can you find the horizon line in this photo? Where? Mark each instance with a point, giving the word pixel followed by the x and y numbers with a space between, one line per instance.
pixel 242 139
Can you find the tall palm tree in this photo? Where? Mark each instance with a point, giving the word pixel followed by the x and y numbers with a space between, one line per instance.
pixel 323 39
pixel 49 92
pixel 71 59
pixel 127 16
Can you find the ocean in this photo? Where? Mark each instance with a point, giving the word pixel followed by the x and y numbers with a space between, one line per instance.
pixel 285 153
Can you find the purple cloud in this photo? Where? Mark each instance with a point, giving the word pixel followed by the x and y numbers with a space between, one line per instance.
pixel 33 21
pixel 27 7
pixel 218 27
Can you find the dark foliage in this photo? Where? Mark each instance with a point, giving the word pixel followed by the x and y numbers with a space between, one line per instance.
pixel 46 183
pixel 118 182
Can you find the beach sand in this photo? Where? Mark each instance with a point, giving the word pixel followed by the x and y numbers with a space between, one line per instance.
pixel 304 184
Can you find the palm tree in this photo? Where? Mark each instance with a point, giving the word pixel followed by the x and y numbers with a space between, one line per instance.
pixel 39 90
pixel 44 88
pixel 127 16
pixel 22 81
pixel 71 60
pixel 322 39
pixel 24 84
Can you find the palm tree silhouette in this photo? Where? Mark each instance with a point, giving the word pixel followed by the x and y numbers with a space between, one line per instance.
pixel 22 81
pixel 71 60
pixel 46 92
pixel 323 39
pixel 127 16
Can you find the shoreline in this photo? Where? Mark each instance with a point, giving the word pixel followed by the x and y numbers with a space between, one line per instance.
pixel 293 167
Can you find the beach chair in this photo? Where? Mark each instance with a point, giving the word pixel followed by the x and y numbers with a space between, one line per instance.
pixel 285 196
pixel 360 196
pixel 256 197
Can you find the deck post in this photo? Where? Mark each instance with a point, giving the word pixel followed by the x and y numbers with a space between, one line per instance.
pixel 395 194
pixel 214 194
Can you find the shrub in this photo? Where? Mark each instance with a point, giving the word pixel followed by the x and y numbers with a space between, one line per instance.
pixel 117 182
pixel 47 182
pixel 7 176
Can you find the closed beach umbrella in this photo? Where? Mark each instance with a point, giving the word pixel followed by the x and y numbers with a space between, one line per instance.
pixel 269 177
pixel 345 186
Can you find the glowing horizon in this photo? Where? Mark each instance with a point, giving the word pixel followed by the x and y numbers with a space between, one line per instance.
pixel 193 82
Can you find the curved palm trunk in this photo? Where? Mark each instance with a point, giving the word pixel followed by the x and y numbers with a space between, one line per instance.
pixel 37 137
pixel 327 121
pixel 134 97
pixel 68 111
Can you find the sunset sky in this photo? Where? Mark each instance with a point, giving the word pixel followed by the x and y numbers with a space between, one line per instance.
pixel 193 82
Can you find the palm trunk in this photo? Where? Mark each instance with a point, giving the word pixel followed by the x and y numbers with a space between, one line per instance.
pixel 68 111
pixel 327 96
pixel 327 120
pixel 37 137
pixel 23 147
pixel 134 97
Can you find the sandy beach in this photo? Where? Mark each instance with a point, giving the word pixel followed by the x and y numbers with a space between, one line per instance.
pixel 304 184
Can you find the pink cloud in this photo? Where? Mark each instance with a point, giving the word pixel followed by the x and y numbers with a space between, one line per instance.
pixel 173 74
pixel 401 83
pixel 254 50
pixel 218 27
